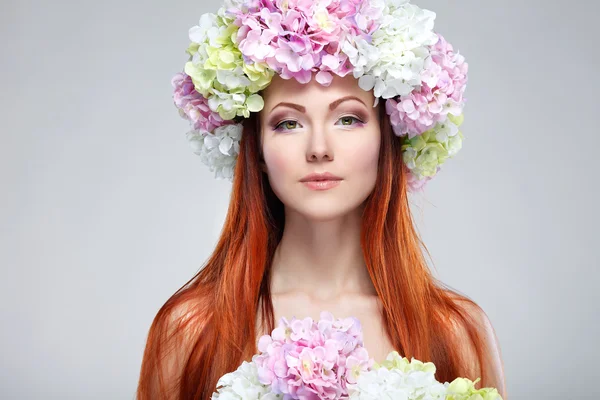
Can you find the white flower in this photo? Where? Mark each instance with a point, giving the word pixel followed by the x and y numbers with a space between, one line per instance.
pixel 445 130
pixel 392 64
pixel 206 30
pixel 394 384
pixel 228 104
pixel 454 145
pixel 218 150
pixel 409 156
pixel 362 55
pixel 233 79
pixel 218 70
pixel 243 384
pixel 225 103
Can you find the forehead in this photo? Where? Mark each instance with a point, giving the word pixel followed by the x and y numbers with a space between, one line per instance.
pixel 313 94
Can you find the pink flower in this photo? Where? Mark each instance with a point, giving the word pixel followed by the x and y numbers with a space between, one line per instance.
pixel 306 359
pixel 443 84
pixel 415 184
pixel 357 362
pixel 193 106
pixel 301 330
pixel 297 38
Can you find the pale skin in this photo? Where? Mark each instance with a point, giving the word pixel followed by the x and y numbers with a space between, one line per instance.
pixel 318 265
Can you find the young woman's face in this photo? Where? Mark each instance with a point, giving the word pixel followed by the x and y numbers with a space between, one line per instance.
pixel 309 128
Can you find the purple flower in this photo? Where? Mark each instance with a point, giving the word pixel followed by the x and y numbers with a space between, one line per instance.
pixel 297 38
pixel 443 81
pixel 306 359
pixel 193 106
pixel 415 184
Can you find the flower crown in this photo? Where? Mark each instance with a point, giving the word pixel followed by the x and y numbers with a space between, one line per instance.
pixel 388 45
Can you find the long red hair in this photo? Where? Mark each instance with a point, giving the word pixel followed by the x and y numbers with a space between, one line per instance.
pixel 207 328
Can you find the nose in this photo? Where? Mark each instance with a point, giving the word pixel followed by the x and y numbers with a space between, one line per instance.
pixel 318 148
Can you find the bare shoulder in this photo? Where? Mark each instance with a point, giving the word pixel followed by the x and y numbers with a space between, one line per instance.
pixel 171 340
pixel 183 313
pixel 186 319
pixel 491 345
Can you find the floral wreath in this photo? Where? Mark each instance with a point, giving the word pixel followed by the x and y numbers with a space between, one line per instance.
pixel 388 45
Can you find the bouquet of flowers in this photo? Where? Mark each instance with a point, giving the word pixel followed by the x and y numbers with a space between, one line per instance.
pixel 325 359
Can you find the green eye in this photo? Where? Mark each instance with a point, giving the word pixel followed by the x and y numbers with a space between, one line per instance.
pixel 347 119
pixel 291 125
pixel 286 125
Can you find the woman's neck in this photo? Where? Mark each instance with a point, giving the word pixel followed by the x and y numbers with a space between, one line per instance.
pixel 321 259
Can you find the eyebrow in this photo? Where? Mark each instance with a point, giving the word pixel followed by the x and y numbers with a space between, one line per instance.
pixel 332 106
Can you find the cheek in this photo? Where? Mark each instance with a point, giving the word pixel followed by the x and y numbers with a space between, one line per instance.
pixel 371 156
pixel 281 168
pixel 365 157
pixel 279 161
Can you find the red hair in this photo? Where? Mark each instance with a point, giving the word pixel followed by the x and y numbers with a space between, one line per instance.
pixel 207 328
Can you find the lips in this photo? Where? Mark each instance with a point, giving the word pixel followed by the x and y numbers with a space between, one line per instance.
pixel 322 185
pixel 317 177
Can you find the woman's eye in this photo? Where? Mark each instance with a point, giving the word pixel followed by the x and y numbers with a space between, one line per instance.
pixel 286 125
pixel 289 124
pixel 347 120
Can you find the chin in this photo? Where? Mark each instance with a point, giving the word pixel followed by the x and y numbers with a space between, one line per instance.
pixel 323 206
pixel 323 211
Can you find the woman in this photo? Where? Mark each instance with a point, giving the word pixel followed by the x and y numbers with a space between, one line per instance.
pixel 293 247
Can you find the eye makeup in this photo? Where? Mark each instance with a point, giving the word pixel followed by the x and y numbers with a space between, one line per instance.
pixel 358 113
pixel 360 119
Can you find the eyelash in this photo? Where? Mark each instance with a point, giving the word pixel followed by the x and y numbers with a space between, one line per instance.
pixel 278 126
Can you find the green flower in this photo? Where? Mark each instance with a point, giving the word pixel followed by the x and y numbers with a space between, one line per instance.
pixel 424 154
pixel 458 389
pixel 464 389
pixel 423 158
pixel 219 71
pixel 395 361
pixel 456 119
pixel 260 76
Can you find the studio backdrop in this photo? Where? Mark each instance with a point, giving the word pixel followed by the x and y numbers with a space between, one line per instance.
pixel 105 212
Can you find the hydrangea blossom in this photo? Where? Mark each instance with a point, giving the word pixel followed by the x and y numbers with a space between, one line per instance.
pixel 391 64
pixel 416 184
pixel 218 150
pixel 219 71
pixel 443 82
pixel 313 359
pixel 397 378
pixel 464 389
pixel 388 45
pixel 297 38
pixel 193 106
pixel 424 154
pixel 243 384
pixel 325 359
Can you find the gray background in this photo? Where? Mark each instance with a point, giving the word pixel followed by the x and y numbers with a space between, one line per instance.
pixel 105 211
